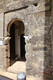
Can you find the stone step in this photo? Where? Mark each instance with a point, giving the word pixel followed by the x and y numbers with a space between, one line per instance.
pixel 18 66
pixel 9 75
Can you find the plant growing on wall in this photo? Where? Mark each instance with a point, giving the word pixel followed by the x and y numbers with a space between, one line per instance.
pixel 50 6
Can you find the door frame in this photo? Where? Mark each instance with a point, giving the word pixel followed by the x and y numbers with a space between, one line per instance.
pixel 8 41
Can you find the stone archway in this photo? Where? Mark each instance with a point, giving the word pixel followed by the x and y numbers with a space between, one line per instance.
pixel 15 36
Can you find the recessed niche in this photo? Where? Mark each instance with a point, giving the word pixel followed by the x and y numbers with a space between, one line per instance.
pixel 35 4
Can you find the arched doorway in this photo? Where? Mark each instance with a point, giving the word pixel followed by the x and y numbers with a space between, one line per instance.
pixel 17 42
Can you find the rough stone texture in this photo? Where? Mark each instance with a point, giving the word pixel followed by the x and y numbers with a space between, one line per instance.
pixel 38 23
pixel 1 25
pixel 52 37
pixel 9 5
pixel 2 57
pixel 39 47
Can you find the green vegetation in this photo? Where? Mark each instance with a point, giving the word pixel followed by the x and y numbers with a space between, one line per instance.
pixel 50 6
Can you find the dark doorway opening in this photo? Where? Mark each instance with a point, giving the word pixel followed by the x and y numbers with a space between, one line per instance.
pixel 17 42
pixel 22 47
pixel 12 44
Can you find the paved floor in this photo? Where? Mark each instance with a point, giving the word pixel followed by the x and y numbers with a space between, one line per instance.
pixel 18 66
pixel 9 75
pixel 13 76
pixel 4 78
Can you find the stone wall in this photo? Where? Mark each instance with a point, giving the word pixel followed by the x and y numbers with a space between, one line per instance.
pixel 7 5
pixel 52 36
pixel 39 46
pixel 2 47
pixel 3 57
pixel 38 22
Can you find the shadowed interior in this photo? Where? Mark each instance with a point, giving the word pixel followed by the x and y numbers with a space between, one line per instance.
pixel 17 42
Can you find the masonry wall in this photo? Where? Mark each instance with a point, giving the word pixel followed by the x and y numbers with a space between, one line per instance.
pixel 38 22
pixel 52 36
pixel 2 46
pixel 39 63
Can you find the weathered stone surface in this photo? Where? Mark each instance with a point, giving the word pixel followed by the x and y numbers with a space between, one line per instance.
pixel 2 57
pixel 38 48
pixel 8 5
pixel 38 22
pixel 1 25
